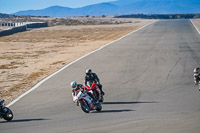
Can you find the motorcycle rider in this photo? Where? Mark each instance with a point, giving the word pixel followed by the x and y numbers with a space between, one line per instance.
pixel 1 102
pixel 92 77
pixel 197 76
pixel 79 87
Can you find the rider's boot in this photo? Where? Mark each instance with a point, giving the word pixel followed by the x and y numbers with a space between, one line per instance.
pixel 101 98
pixel 100 87
pixel 102 92
pixel 95 101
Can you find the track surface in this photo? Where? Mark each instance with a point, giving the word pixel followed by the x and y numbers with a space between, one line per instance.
pixel 148 80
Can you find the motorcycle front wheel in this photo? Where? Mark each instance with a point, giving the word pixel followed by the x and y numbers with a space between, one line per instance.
pixel 85 107
pixel 7 115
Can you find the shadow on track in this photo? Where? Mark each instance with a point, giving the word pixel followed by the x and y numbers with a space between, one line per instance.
pixel 126 102
pixel 114 111
pixel 24 120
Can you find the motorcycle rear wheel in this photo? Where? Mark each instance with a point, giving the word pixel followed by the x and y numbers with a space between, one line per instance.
pixel 99 107
pixel 85 107
pixel 8 115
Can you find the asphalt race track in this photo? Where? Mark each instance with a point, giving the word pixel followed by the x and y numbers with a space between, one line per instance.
pixel 148 80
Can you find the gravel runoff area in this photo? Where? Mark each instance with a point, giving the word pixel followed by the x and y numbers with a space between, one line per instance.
pixel 28 57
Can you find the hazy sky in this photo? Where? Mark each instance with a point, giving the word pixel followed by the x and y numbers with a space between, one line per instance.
pixel 12 6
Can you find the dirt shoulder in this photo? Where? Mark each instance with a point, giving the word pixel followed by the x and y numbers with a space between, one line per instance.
pixel 197 23
pixel 30 56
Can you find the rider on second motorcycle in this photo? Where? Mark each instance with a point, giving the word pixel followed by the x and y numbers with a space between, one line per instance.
pixel 79 87
pixel 92 77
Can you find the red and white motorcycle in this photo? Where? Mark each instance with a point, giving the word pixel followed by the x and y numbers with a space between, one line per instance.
pixel 94 89
pixel 86 102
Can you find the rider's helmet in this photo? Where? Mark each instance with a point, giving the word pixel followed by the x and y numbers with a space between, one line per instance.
pixel 88 71
pixel 73 84
pixel 197 70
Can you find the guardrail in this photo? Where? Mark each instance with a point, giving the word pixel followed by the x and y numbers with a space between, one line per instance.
pixel 21 28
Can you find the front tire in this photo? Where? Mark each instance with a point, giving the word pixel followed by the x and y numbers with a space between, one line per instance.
pixel 7 115
pixel 85 107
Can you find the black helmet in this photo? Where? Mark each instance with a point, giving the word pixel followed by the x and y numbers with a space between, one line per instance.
pixel 88 71
pixel 197 70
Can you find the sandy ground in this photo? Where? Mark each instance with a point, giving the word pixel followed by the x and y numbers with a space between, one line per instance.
pixel 28 57
pixel 197 23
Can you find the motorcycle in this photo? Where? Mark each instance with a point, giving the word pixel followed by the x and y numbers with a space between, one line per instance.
pixel 94 89
pixel 197 80
pixel 86 102
pixel 5 112
pixel 198 84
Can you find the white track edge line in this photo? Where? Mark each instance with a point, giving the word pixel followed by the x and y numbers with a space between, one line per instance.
pixel 195 26
pixel 45 79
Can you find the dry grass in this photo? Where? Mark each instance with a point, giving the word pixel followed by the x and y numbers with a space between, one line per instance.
pixel 12 65
pixel 65 36
pixel 26 82
pixel 58 62
pixel 30 56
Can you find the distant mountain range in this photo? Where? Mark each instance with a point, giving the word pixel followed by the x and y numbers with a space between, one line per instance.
pixel 2 15
pixel 121 7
